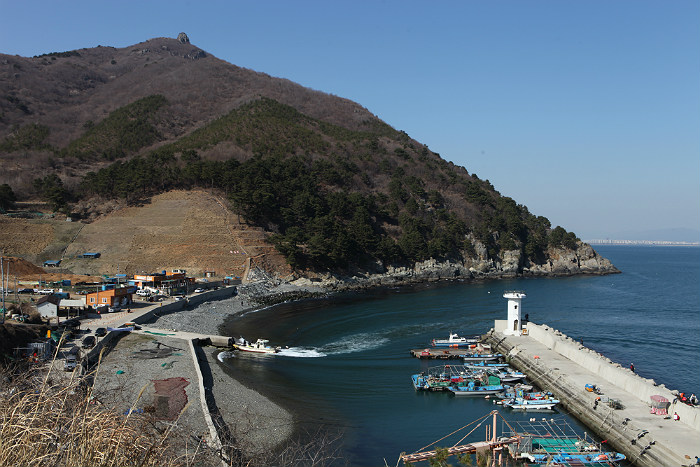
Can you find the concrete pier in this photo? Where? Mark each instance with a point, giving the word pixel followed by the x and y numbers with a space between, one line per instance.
pixel 556 363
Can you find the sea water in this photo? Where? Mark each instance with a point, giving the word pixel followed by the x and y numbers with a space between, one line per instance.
pixel 348 365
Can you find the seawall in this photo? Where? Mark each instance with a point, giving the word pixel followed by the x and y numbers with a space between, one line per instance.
pixel 557 363
pixel 194 300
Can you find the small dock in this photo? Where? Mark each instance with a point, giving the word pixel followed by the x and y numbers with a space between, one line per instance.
pixel 435 353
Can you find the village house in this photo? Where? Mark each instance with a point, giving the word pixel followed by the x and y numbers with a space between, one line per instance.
pixel 117 296
pixel 169 282
pixel 48 306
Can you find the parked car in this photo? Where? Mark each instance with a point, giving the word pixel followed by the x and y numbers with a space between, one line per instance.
pixel 70 363
pixel 179 298
pixel 101 332
pixel 25 291
pixel 89 342
pixel 102 308
pixel 143 293
pixel 198 290
pixel 115 308
pixel 46 291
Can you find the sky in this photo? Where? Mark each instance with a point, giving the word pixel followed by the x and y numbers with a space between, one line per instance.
pixel 587 112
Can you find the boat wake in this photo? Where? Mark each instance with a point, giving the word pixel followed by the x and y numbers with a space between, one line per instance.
pixel 301 352
pixel 350 344
pixel 225 354
pixel 354 343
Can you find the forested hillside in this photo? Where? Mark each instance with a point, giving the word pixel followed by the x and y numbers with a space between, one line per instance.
pixel 335 187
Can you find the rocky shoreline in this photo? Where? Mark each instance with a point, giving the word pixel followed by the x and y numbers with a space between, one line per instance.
pixel 563 262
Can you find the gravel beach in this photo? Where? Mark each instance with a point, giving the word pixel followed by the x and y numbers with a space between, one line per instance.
pixel 207 317
pixel 253 422
pixel 256 423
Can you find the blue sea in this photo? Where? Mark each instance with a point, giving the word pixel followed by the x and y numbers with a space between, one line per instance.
pixel 348 367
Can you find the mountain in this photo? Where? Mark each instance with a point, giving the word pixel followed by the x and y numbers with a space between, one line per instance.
pixel 335 188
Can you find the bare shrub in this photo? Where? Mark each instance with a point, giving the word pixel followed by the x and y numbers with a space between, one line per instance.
pixel 58 423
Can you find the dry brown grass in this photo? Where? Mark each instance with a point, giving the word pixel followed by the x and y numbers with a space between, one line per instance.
pixel 44 423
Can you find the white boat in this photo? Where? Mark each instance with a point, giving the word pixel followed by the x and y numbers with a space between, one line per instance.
pixel 479 357
pixel 259 346
pixel 544 403
pixel 481 365
pixel 507 375
pixel 455 341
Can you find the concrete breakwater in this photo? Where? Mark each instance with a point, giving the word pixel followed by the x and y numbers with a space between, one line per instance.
pixel 557 363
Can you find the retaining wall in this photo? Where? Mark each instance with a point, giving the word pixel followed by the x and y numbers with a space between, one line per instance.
pixel 194 300
pixel 215 441
pixel 611 372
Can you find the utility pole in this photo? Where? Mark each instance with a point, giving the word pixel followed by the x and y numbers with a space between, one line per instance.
pixel 2 286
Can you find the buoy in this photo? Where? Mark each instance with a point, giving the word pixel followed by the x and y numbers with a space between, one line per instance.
pixel 537 357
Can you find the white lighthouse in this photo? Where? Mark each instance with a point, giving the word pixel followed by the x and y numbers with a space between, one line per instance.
pixel 514 327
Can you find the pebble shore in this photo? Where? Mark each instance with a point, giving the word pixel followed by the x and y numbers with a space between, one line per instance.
pixel 256 423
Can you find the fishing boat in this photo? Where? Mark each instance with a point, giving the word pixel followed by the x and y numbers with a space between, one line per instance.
pixel 575 458
pixel 554 442
pixel 259 346
pixel 521 403
pixel 523 389
pixel 484 365
pixel 506 375
pixel 474 389
pixel 524 400
pixel 455 341
pixel 536 443
pixel 481 357
pixel 441 378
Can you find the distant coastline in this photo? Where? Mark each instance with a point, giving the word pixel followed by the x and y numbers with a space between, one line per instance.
pixel 640 242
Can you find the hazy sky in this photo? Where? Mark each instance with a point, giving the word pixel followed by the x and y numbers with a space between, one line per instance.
pixel 587 112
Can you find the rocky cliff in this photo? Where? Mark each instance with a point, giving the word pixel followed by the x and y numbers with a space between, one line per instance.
pixel 563 262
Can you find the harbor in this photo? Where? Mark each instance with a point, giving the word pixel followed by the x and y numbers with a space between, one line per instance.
pixel 630 413
pixel 365 334
pixel 630 424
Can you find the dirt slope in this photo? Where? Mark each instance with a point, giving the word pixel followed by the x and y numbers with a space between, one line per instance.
pixel 192 230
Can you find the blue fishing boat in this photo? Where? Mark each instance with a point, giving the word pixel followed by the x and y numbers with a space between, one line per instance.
pixel 441 378
pixel 484 365
pixel 554 442
pixel 472 389
pixel 531 400
pixel 576 458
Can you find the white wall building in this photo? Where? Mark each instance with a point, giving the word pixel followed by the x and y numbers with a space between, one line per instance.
pixel 514 326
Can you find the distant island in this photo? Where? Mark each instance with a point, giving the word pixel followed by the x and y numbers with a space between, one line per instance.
pixel 608 241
